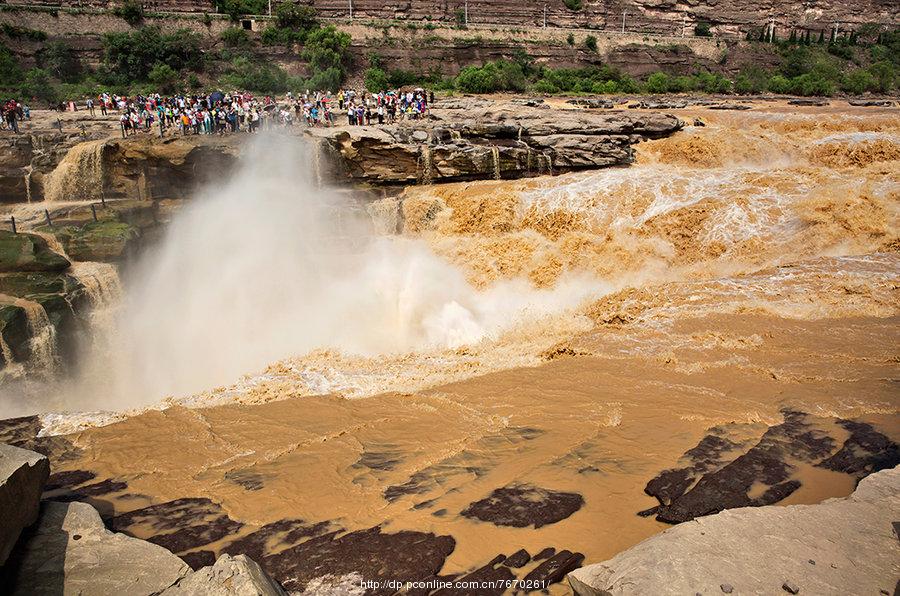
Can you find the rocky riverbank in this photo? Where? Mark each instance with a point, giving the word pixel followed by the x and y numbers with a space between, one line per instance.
pixel 842 546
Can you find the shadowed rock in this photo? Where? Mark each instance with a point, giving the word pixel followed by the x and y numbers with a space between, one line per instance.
pixel 767 463
pixel 22 477
pixel 522 506
pixel 403 556
pixel 179 525
pixel 864 452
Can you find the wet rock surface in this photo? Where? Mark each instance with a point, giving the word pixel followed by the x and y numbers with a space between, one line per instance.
pixel 841 546
pixel 721 474
pixel 522 506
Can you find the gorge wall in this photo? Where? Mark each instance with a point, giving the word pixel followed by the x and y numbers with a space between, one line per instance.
pixel 659 16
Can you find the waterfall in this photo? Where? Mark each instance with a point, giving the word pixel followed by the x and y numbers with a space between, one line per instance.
pixel 79 176
pixel 387 216
pixel 425 165
pixel 28 170
pixel 44 357
pixel 495 156
pixel 317 164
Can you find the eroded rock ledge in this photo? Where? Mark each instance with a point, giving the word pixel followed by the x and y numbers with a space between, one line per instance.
pixel 841 546
pixel 471 139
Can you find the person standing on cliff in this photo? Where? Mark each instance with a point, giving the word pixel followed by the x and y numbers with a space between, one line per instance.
pixel 90 106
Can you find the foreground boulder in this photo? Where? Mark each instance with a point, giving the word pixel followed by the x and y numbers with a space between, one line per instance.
pixel 229 576
pixel 841 546
pixel 70 551
pixel 23 474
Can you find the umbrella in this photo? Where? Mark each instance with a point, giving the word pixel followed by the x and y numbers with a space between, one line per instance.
pixel 216 96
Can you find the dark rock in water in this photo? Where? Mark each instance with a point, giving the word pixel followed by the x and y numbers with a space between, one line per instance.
pixel 790 587
pixel 658 105
pixel 276 536
pixel 864 452
pixel 402 556
pixel 497 577
pixel 97 489
pixel 28 252
pixel 699 122
pixel 547 552
pixel 708 455
pixel 552 570
pixel 648 512
pixel 518 558
pixel 180 525
pixel 248 479
pixel 766 463
pixel 199 559
pixel 523 505
pixel 68 479
pixel 727 588
pixel 808 102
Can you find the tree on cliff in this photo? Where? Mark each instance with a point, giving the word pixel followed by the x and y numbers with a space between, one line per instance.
pixel 327 51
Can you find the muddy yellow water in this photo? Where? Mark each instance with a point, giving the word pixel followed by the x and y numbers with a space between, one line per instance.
pixel 737 271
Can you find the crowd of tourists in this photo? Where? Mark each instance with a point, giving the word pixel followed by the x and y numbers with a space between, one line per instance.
pixel 11 113
pixel 222 113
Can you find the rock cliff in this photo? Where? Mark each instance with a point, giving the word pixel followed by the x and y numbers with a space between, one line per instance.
pixel 471 139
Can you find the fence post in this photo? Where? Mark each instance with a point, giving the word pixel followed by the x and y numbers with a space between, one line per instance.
pixel 94 211
pixel 47 215
pixel 12 220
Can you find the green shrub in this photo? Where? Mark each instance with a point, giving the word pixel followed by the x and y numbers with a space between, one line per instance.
pixel 296 16
pixel 376 80
pixel 327 48
pixel 779 84
pixel 16 32
pixel 254 75
pixel 235 37
pixel 859 81
pixel 545 86
pixel 496 76
pixel 60 61
pixel 682 84
pixel 128 57
pixel 571 39
pixel 591 43
pixel 702 29
pixel 885 74
pixel 37 84
pixel 235 9
pixel 131 11
pixel 277 36
pixel 573 5
pixel 658 82
pixel 164 78
pixel 750 80
pixel 712 83
pixel 811 84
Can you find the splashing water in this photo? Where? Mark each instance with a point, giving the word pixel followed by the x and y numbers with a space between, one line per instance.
pixel 268 266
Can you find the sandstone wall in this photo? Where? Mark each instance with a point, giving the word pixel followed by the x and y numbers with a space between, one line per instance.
pixel 660 16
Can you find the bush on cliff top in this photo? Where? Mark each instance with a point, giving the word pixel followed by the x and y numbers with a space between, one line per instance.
pixel 130 56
